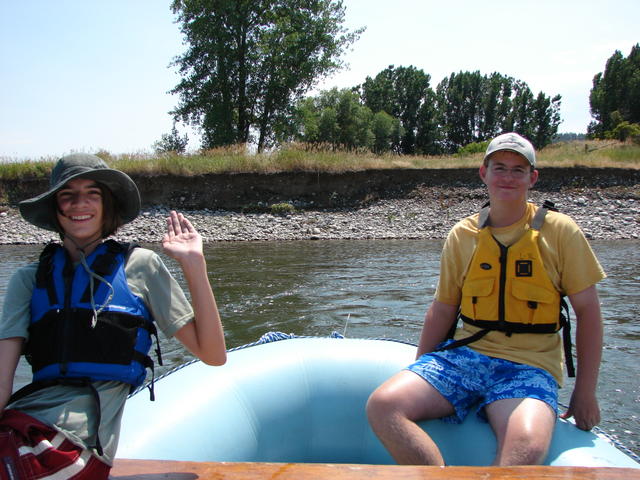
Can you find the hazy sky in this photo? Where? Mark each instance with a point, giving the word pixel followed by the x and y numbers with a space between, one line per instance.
pixel 85 75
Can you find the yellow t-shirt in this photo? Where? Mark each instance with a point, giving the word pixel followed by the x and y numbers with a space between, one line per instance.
pixel 568 260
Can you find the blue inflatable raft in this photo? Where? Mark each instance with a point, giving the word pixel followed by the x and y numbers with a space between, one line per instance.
pixel 302 400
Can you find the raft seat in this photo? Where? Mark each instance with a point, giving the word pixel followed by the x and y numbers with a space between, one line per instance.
pixel 302 400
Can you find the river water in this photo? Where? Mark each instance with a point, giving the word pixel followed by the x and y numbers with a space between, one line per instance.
pixel 381 288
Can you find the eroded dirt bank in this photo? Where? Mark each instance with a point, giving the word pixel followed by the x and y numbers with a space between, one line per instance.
pixel 311 190
pixel 361 205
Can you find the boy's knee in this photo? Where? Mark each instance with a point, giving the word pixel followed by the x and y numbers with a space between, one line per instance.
pixel 375 403
pixel 525 449
pixel 380 404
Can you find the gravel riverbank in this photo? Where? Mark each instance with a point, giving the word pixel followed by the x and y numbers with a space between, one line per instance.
pixel 425 214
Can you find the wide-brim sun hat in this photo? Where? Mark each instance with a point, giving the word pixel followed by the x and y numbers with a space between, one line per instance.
pixel 39 212
pixel 514 143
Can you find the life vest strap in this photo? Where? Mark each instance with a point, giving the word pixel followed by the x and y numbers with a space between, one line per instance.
pixel 483 217
pixel 536 222
pixel 463 341
pixel 512 327
pixel 44 273
pixel 104 264
pixel 565 324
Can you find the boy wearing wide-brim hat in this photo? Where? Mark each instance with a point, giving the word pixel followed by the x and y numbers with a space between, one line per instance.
pixel 68 312
pixel 41 210
pixel 503 274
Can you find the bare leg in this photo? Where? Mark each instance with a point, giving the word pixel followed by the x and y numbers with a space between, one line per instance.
pixel 523 428
pixel 395 406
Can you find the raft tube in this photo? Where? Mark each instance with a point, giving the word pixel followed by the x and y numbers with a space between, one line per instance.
pixel 302 400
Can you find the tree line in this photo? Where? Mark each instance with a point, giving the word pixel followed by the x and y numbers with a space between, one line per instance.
pixel 398 111
pixel 615 98
pixel 249 65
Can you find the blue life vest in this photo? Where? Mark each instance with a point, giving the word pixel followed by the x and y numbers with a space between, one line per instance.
pixel 63 343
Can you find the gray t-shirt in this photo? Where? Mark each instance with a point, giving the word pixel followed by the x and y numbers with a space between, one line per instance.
pixel 71 410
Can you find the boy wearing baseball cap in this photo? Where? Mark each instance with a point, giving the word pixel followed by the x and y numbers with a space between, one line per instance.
pixel 503 275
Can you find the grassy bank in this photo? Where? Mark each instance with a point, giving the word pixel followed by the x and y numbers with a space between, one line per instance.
pixel 591 153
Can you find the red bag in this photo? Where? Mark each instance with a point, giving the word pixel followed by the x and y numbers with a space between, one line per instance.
pixel 29 450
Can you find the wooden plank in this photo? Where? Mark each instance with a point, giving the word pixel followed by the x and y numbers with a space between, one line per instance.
pixel 173 470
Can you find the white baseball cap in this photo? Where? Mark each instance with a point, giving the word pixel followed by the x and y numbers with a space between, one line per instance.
pixel 514 143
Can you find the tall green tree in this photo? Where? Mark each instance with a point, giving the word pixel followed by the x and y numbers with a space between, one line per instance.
pixel 545 120
pixel 249 61
pixel 615 95
pixel 400 92
pixel 429 134
pixel 496 106
pixel 336 118
pixel 474 108
pixel 387 132
pixel 459 101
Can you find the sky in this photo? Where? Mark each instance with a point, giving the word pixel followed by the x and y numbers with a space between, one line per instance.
pixel 91 75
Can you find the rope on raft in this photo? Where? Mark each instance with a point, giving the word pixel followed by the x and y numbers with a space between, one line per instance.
pixel 268 337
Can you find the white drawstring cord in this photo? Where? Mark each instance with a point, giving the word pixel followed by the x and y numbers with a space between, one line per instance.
pixel 92 275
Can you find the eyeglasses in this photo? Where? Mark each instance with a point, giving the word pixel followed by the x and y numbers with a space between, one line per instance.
pixel 515 172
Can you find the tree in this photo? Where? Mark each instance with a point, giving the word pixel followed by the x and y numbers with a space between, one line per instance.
pixel 616 90
pixel 429 134
pixel 474 108
pixel 519 119
pixel 496 105
pixel 386 132
pixel 466 108
pixel 401 92
pixel 337 118
pixel 625 130
pixel 459 101
pixel 249 61
pixel 545 119
pixel 568 137
pixel 171 142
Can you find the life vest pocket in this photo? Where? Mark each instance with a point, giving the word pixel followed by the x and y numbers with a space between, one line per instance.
pixel 479 287
pixel 474 291
pixel 528 292
pixel 535 302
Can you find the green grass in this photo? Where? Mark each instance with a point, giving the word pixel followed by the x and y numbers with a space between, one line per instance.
pixel 12 170
pixel 294 157
pixel 591 153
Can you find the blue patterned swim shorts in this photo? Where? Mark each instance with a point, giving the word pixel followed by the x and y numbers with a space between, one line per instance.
pixel 465 378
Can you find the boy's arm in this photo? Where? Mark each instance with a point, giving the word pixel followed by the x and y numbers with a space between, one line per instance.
pixel 204 336
pixel 584 404
pixel 437 323
pixel 10 350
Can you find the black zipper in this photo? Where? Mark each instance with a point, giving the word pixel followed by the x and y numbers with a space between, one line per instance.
pixel 503 283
